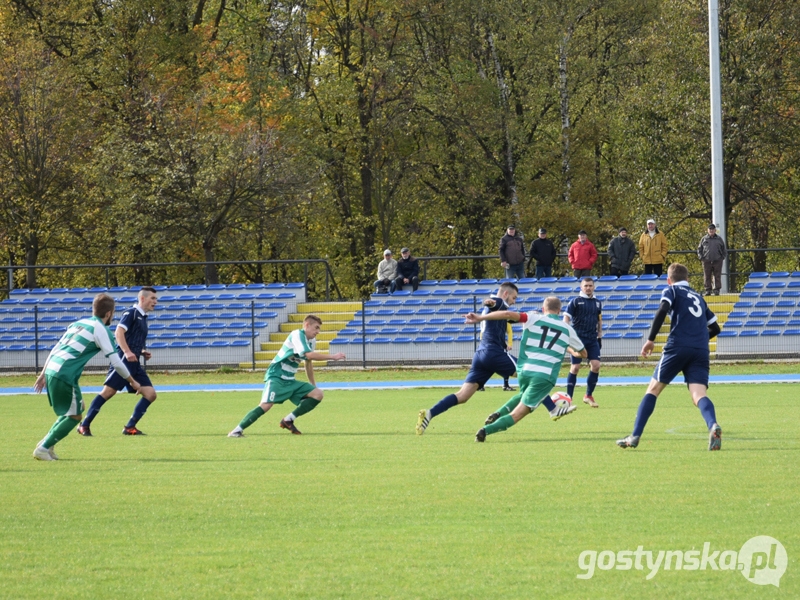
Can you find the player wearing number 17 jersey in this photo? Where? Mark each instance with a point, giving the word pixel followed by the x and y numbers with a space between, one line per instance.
pixel 545 341
pixel 686 350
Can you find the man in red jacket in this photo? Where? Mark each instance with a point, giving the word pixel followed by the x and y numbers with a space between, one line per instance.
pixel 582 255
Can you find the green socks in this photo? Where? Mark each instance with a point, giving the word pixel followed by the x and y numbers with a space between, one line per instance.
pixel 501 424
pixel 59 431
pixel 510 405
pixel 307 404
pixel 251 417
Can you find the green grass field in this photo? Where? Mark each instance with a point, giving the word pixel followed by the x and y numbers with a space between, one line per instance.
pixel 360 507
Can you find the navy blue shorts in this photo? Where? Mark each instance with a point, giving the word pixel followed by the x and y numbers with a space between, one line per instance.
pixel 485 364
pixel 693 362
pixel 592 351
pixel 115 381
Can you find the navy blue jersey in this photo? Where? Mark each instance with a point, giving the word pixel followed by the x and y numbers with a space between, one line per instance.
pixel 689 317
pixel 493 333
pixel 134 323
pixel 585 314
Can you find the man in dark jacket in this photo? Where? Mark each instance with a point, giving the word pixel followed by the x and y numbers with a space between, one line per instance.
pixel 407 271
pixel 712 253
pixel 621 252
pixel 544 253
pixel 512 253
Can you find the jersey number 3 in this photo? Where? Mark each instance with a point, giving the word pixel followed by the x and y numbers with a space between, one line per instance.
pixel 695 309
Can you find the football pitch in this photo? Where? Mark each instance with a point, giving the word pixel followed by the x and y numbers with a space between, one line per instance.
pixel 360 507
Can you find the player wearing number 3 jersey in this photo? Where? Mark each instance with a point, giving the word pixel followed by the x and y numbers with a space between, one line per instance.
pixel 545 341
pixel 692 324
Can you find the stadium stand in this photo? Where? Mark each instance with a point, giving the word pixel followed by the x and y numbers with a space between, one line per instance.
pixel 192 323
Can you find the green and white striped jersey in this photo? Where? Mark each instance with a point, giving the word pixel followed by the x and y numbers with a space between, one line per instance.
pixel 544 343
pixel 82 340
pixel 291 355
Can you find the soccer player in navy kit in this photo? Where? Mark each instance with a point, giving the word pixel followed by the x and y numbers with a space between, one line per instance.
pixel 131 337
pixel 585 314
pixel 692 324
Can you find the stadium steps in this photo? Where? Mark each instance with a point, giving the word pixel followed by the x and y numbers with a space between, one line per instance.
pixel 335 317
pixel 722 305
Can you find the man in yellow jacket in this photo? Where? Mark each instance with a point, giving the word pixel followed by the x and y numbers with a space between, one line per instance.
pixel 653 249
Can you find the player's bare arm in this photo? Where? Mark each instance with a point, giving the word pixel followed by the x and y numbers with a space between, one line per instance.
pixel 499 315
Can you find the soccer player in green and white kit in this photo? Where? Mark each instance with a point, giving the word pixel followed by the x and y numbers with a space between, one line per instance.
pixel 64 366
pixel 280 383
pixel 545 341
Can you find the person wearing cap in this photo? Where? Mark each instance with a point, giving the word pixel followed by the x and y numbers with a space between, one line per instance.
pixel 407 271
pixel 621 252
pixel 653 249
pixel 544 253
pixel 387 271
pixel 512 253
pixel 582 255
pixel 712 252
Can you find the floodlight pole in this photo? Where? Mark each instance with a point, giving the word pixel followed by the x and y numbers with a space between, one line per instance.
pixel 717 175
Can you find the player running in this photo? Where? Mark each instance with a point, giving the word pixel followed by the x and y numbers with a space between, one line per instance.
pixel 545 341
pixel 64 366
pixel 281 384
pixel 692 325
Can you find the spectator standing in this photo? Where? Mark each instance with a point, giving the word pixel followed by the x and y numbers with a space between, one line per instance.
pixel 407 271
pixel 653 249
pixel 512 253
pixel 544 253
pixel 621 252
pixel 712 252
pixel 582 255
pixel 387 272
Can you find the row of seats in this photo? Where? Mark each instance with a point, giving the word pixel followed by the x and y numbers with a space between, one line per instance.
pixel 154 321
pixel 125 300
pixel 772 285
pixel 523 291
pixel 727 333
pixel 16 347
pixel 441 339
pixel 159 288
pixel 50 338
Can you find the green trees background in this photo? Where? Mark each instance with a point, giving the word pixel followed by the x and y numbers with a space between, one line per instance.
pixel 170 130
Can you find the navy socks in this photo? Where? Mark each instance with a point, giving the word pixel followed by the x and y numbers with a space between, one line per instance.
pixel 138 412
pixel 97 404
pixel 444 404
pixel 646 408
pixel 707 410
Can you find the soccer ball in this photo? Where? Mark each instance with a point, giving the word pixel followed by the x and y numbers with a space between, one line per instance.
pixel 560 397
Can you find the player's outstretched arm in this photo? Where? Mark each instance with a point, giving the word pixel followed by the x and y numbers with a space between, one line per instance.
pixel 499 315
pixel 324 356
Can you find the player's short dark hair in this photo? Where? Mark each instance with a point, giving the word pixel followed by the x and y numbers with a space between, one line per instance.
pixel 102 304
pixel 587 279
pixel 552 304
pixel 507 285
pixel 678 272
pixel 149 289
pixel 314 318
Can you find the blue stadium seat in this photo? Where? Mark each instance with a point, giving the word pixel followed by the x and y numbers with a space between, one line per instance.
pixel 726 333
pixel 781 314
pixel 759 314
pixel 428 283
pixel 157 345
pixel 749 295
pixel 423 339
pixel 759 275
pixel 770 295
pixel 748 333
pixel 732 324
